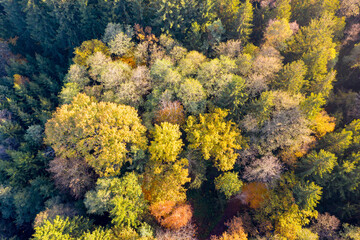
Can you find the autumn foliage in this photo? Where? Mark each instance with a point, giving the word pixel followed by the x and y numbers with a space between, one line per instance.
pixel 255 193
pixel 171 215
pixel 172 112
pixel 235 231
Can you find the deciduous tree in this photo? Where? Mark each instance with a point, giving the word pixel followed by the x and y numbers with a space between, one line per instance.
pixel 102 134
pixel 215 137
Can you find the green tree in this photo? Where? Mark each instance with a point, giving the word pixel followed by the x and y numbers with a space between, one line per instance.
pixel 318 164
pixel 282 10
pixel 229 184
pixel 292 77
pixel 121 197
pixel 216 75
pixel 61 228
pixel 307 195
pixel 193 96
pixel 245 21
pixel 303 11
pixel 228 12
pixel 121 44
pixel 316 47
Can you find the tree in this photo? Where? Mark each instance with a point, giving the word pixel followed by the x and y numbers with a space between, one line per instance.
pixel 167 144
pixel 121 44
pixel 304 11
pixel 193 96
pixel 72 174
pixel 228 183
pixel 185 233
pixel 231 48
pixel 265 169
pixel 307 234
pixel 98 233
pixel 103 134
pixel 233 97
pixel 61 228
pixel 350 232
pixel 227 11
pixel 282 10
pixel 122 197
pixel 315 46
pixel 54 208
pixel 235 231
pixel 215 137
pixel 318 164
pixel 287 129
pixel 170 215
pixel 87 49
pixel 326 225
pixel 172 112
pixel 245 21
pixel 42 24
pixel 255 194
pixel 338 142
pixel 216 75
pixel 189 65
pixel 263 69
pixel 349 8
pixel 277 33
pixel 163 74
pixel 280 210
pixel 322 123
pixel 307 195
pixel 292 77
pixel 115 81
pixel 174 17
pixel 353 60
pixel 165 174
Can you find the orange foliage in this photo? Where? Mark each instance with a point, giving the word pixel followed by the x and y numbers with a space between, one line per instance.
pixel 179 217
pixel 13 40
pixel 161 209
pixel 172 112
pixel 255 193
pixel 128 60
pixel 171 216
pixel 235 231
pixel 146 35
pixel 20 80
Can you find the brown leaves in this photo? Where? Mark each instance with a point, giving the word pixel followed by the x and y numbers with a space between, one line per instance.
pixel 172 112
pixel 73 175
pixel 255 193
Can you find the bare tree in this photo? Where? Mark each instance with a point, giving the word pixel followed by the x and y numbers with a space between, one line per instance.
pixel 326 226
pixel 265 169
pixel 73 175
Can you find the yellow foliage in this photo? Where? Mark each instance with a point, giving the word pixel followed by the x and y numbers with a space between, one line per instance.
pixel 103 134
pixel 87 49
pixel 322 123
pixel 215 137
pixel 165 174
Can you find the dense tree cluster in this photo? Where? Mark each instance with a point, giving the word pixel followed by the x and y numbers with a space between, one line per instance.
pixel 169 119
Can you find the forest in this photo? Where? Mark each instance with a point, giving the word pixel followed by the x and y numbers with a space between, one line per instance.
pixel 180 119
